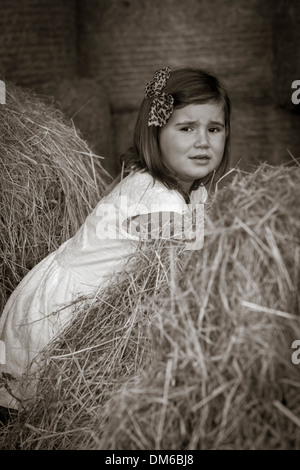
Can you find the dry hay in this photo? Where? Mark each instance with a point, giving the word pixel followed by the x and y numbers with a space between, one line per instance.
pixel 50 181
pixel 193 349
pixel 86 102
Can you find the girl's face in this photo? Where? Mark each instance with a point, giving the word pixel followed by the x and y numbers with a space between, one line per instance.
pixel 192 142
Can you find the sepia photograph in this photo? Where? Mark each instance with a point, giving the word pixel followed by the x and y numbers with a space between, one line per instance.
pixel 150 227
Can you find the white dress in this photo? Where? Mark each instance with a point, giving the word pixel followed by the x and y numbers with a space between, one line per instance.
pixel 99 249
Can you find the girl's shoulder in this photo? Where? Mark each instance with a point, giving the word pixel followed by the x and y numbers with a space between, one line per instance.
pixel 199 196
pixel 140 188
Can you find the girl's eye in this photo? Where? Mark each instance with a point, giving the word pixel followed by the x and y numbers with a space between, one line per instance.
pixel 214 129
pixel 186 129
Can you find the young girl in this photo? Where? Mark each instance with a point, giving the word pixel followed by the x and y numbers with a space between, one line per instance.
pixel 181 142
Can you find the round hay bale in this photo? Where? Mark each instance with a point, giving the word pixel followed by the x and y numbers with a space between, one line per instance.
pixel 50 181
pixel 193 350
pixel 86 102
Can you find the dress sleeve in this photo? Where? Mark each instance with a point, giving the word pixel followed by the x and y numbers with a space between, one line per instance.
pixel 149 210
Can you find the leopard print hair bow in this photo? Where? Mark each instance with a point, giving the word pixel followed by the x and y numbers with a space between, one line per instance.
pixel 162 105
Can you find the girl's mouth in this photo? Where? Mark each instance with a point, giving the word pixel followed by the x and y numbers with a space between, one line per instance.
pixel 200 157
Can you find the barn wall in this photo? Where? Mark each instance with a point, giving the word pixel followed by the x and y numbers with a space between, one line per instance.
pixel 286 47
pixel 125 41
pixel 39 49
pixel 253 45
pixel 37 40
pixel 245 42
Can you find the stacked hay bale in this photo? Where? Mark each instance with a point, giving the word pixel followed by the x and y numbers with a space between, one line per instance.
pixel 50 181
pixel 193 349
pixel 86 102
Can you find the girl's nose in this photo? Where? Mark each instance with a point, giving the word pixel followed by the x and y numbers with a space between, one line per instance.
pixel 201 140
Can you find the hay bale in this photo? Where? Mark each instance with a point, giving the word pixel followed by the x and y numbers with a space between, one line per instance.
pixel 265 133
pixel 193 349
pixel 123 125
pixel 50 181
pixel 86 102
